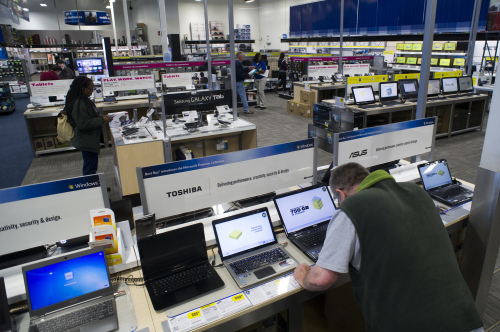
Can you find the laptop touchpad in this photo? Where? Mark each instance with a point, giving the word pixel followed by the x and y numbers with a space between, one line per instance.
pixel 186 293
pixel 265 272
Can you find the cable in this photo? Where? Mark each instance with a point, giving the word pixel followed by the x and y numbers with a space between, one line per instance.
pixel 129 279
pixel 213 262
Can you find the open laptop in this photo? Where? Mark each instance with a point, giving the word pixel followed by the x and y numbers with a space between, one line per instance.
pixel 450 87
pixel 305 214
pixel 363 97
pixel 437 181
pixel 389 93
pixel 71 293
pixel 175 266
pixel 466 86
pixel 434 89
pixel 409 89
pixel 248 247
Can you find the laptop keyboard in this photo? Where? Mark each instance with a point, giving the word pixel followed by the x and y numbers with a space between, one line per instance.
pixel 81 317
pixel 254 262
pixel 314 239
pixel 392 103
pixel 181 279
pixel 451 191
pixel 368 106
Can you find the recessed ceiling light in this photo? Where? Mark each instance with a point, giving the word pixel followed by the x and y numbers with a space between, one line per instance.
pixel 197 0
pixel 43 4
pixel 248 1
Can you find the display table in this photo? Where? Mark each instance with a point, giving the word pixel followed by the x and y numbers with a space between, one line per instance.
pixel 321 91
pixel 154 148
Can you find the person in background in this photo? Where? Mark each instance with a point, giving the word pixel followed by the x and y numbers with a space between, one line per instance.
pixel 283 67
pixel 51 75
pixel 203 79
pixel 241 75
pixel 66 73
pixel 260 80
pixel 84 117
pixel 390 238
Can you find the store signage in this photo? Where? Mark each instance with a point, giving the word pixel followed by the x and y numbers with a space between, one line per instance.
pixel 412 61
pixel 181 79
pixel 361 68
pixel 173 64
pixel 326 70
pixel 189 185
pixel 87 17
pixel 124 83
pixel 459 62
pixel 43 213
pixel 444 62
pixel 400 46
pixel 367 79
pixel 450 46
pixel 456 73
pixel 437 47
pixel 398 77
pixel 49 88
pixel 221 62
pixel 378 145
pixel 434 61
pixel 213 98
pixel 408 47
pixel 417 47
pixel 330 58
pixel 401 59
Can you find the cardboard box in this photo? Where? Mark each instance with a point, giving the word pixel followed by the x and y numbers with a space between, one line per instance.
pixel 292 107
pixel 307 97
pixel 38 144
pixel 48 142
pixel 305 110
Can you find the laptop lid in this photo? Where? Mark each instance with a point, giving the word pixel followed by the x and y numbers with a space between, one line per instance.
pixel 363 95
pixel 388 91
pixel 435 174
pixel 408 88
pixel 305 207
pixel 244 232
pixel 434 88
pixel 450 85
pixel 465 84
pixel 66 280
pixel 173 250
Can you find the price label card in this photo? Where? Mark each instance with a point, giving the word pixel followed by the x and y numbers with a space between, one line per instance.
pixel 437 47
pixel 408 47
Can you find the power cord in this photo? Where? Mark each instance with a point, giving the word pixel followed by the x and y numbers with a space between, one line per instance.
pixel 130 280
pixel 213 262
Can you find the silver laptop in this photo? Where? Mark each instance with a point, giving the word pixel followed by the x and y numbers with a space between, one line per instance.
pixel 248 247
pixel 71 293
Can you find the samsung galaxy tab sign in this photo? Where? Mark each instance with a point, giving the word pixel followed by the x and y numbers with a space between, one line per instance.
pixel 87 17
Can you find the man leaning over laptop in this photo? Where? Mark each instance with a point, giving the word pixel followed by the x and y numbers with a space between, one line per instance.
pixel 390 238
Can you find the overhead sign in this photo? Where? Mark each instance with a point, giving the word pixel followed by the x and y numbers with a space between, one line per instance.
pixel 173 64
pixel 360 68
pixel 49 88
pixel 87 17
pixel 378 145
pixel 125 83
pixel 48 212
pixel 189 185
pixel 181 79
pixel 326 70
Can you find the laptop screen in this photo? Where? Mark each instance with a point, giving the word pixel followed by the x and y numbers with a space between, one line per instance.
pixel 465 83
pixel 434 88
pixel 388 91
pixel 435 174
pixel 68 279
pixel 450 85
pixel 245 232
pixel 409 88
pixel 363 95
pixel 305 208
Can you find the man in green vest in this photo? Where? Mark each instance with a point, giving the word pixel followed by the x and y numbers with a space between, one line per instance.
pixel 390 238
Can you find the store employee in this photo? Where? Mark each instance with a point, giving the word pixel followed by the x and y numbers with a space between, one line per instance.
pixel 390 238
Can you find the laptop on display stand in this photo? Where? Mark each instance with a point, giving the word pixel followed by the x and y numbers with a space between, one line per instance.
pixel 450 87
pixel 437 181
pixel 465 86
pixel 434 89
pixel 71 293
pixel 175 266
pixel 409 89
pixel 364 97
pixel 248 247
pixel 305 215
pixel 388 93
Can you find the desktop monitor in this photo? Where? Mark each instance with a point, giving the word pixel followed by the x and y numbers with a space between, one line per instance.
pixel 434 88
pixel 363 95
pixel 388 91
pixel 89 66
pixel 408 88
pixel 450 85
pixel 465 84
pixel 202 101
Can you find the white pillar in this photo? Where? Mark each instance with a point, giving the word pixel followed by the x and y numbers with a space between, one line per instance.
pixel 127 26
pixel 114 23
pixel 163 29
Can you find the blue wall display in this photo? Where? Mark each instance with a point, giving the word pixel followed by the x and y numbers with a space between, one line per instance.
pixel 381 17
pixel 87 17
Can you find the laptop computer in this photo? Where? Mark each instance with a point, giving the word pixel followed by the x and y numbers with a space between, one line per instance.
pixel 248 247
pixel 389 93
pixel 175 266
pixel 71 293
pixel 363 97
pixel 305 215
pixel 437 181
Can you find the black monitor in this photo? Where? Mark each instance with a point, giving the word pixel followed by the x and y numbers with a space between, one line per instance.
pixel 388 91
pixel 465 84
pixel 202 101
pixel 434 88
pixel 408 88
pixel 363 95
pixel 89 66
pixel 450 85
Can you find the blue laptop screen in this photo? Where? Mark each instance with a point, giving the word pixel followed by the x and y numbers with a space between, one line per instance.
pixel 66 280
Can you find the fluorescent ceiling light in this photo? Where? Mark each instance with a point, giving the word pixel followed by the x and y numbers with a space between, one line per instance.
pixel 197 0
pixel 43 4
pixel 248 1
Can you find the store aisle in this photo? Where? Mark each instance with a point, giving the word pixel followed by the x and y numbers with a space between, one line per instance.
pixel 15 152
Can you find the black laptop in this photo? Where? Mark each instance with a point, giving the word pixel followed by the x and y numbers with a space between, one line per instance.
pixel 175 266
pixel 388 93
pixel 437 181
pixel 305 214
pixel 364 97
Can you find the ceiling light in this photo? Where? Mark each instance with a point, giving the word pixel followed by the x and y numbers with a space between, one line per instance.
pixel 197 0
pixel 248 1
pixel 43 4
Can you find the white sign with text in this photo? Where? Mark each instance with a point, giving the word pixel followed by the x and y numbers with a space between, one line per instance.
pixel 181 79
pixel 326 70
pixel 49 88
pixel 125 83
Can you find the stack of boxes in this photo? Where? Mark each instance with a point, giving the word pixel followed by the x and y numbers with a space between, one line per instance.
pixel 242 32
pixel 216 30
pixel 302 104
pixel 197 31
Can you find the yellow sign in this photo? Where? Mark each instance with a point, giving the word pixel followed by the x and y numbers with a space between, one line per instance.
pixel 401 59
pixel 437 47
pixel 398 77
pixel 388 52
pixel 459 62
pixel 408 47
pixel 450 46
pixel 411 61
pixel 400 46
pixel 194 314
pixel 417 47
pixel 444 62
pixel 474 79
pixel 434 61
pixel 238 297
pixel 367 79
pixel 206 306
pixel 456 73
pixel 419 61
pixel 489 58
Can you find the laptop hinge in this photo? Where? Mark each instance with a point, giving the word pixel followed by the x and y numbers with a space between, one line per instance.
pixel 68 307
